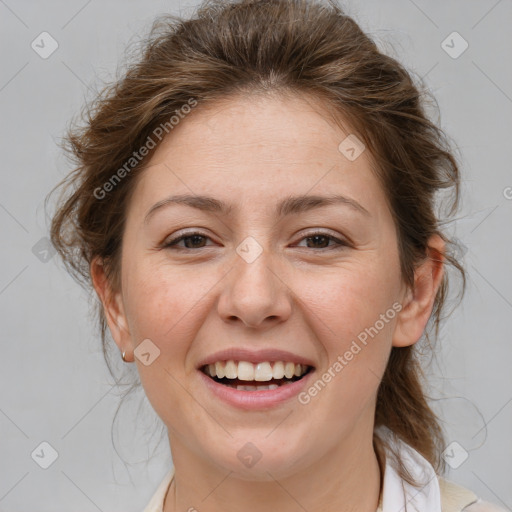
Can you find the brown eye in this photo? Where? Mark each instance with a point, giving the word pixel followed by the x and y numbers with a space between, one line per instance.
pixel 190 241
pixel 319 241
pixel 322 241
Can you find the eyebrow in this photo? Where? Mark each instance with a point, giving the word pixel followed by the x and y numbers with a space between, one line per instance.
pixel 290 205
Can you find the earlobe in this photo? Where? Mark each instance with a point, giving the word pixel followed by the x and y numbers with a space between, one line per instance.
pixel 112 305
pixel 419 302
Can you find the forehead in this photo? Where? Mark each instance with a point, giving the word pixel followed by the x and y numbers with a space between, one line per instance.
pixel 257 148
pixel 276 127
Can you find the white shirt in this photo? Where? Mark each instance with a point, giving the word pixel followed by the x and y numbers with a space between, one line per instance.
pixel 397 494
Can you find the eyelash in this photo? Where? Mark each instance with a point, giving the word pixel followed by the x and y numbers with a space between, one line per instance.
pixel 172 244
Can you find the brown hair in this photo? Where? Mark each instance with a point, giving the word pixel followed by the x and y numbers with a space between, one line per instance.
pixel 273 46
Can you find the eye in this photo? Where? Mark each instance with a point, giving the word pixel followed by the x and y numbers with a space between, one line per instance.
pixel 191 241
pixel 197 240
pixel 320 239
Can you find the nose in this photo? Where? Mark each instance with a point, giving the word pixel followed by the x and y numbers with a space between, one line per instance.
pixel 255 294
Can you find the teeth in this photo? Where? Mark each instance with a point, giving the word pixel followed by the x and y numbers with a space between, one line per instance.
pixel 261 372
pixel 289 370
pixel 245 371
pixel 230 370
pixel 256 388
pixel 278 370
pixel 219 370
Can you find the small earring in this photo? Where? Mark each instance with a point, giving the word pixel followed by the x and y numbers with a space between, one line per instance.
pixel 123 355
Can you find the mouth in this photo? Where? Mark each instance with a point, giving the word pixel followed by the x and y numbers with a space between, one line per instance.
pixel 263 376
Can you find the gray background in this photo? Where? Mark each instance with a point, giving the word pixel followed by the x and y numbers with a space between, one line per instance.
pixel 55 385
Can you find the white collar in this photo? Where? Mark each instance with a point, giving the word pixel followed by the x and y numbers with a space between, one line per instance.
pixel 397 494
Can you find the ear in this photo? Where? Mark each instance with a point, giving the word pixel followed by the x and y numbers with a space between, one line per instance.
pixel 418 303
pixel 112 305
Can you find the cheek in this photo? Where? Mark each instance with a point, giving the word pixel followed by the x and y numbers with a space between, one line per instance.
pixel 165 303
pixel 350 300
pixel 353 320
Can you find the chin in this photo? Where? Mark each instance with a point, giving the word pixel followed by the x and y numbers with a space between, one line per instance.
pixel 260 460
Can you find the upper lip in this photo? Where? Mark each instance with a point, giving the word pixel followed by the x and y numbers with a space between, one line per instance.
pixel 254 356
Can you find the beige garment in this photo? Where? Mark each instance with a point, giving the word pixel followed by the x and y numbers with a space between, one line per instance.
pixel 454 498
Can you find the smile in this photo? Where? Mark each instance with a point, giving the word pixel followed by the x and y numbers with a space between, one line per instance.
pixel 255 386
pixel 246 376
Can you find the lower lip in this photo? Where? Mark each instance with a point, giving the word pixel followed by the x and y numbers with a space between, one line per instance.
pixel 262 399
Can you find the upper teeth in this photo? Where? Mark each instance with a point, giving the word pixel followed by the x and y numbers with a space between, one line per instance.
pixel 261 372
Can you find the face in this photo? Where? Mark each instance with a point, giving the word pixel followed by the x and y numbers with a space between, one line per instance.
pixel 263 279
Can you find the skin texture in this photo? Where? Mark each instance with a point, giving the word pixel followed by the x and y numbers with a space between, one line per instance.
pixel 310 297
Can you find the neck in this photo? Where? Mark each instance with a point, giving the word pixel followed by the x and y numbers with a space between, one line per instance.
pixel 347 479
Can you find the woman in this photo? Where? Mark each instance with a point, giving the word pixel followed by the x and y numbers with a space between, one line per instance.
pixel 254 207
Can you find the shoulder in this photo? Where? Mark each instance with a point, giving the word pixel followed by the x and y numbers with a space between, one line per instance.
pixel 455 497
pixel 156 504
pixel 483 506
